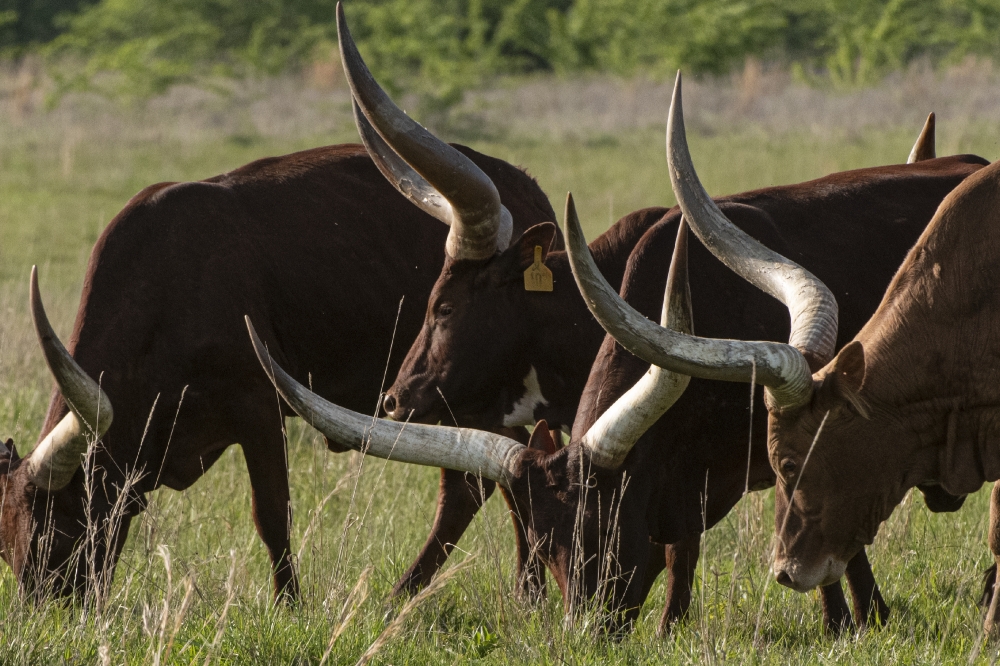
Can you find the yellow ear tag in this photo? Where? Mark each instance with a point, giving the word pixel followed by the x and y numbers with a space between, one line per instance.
pixel 538 277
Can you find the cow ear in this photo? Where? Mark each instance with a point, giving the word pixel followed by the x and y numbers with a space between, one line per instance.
pixel 541 235
pixel 8 449
pixel 541 438
pixel 845 378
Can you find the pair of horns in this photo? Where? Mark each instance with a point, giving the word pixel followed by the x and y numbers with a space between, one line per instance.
pixel 495 456
pixel 55 459
pixel 785 369
pixel 433 175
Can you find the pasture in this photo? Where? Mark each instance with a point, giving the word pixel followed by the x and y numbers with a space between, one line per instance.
pixel 193 585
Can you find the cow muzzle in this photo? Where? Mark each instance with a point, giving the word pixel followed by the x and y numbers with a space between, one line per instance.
pixel 792 573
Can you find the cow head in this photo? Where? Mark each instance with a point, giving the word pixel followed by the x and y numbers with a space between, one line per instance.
pixel 42 519
pixel 575 502
pixel 474 300
pixel 816 539
pixel 480 289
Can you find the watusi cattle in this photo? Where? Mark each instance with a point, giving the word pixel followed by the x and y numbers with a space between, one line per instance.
pixel 908 401
pixel 159 328
pixel 911 400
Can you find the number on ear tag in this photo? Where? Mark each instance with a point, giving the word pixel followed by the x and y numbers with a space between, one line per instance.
pixel 538 277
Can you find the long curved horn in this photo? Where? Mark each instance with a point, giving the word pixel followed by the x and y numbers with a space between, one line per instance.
pixel 461 449
pixel 55 459
pixel 480 224
pixel 613 435
pixel 923 149
pixel 812 307
pixel 780 367
pixel 409 183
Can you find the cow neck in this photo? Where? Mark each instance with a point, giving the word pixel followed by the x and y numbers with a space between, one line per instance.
pixel 930 346
pixel 104 332
pixel 566 336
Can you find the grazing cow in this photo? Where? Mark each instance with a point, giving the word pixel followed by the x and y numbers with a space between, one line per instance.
pixel 159 328
pixel 467 368
pixel 909 401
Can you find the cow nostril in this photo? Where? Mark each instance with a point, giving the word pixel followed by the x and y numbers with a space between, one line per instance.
pixel 784 579
pixel 389 403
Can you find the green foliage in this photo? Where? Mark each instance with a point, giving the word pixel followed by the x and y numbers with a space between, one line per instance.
pixel 439 48
pixel 152 45
pixel 27 22
pixel 861 41
pixel 661 35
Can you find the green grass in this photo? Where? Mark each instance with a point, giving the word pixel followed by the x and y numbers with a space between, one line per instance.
pixel 56 194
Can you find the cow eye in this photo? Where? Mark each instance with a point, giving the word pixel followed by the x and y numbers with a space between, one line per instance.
pixel 788 467
pixel 444 310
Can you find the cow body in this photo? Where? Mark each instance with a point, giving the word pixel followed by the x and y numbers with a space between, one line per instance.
pixel 702 439
pixel 316 246
pixel 912 399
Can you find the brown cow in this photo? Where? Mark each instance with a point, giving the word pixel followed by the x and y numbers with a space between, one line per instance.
pixel 909 401
pixel 159 326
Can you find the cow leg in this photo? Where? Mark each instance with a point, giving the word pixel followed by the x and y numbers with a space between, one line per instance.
pixel 682 562
pixel 870 609
pixel 994 538
pixel 655 565
pixel 836 614
pixel 989 580
pixel 459 498
pixel 272 509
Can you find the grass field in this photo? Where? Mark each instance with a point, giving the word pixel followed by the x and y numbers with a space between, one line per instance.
pixel 193 585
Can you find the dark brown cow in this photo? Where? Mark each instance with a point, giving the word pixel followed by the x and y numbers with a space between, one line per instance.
pixel 908 401
pixel 912 399
pixel 160 327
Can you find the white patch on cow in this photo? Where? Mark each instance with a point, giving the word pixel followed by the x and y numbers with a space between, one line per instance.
pixel 937 271
pixel 523 413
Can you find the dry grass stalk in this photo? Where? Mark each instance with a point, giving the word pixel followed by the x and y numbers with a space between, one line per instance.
pixel 396 625
pixel 351 606
pixel 221 624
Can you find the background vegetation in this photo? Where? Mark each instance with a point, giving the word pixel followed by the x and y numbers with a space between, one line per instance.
pixel 440 48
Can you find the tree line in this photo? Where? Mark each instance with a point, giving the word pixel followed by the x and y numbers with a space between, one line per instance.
pixel 438 48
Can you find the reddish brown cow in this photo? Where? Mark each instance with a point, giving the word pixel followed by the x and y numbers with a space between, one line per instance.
pixel 909 401
pixel 316 244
